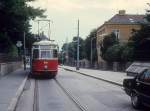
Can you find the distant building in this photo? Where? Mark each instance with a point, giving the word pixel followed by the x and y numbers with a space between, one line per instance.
pixel 121 25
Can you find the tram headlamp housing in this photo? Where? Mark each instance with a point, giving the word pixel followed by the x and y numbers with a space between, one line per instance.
pixel 45 67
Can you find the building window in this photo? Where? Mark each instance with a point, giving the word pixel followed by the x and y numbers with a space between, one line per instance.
pixel 116 32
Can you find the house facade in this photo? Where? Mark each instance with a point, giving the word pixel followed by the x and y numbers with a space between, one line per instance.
pixel 121 25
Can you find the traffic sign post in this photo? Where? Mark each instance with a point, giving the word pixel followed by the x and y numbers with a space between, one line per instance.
pixel 24 47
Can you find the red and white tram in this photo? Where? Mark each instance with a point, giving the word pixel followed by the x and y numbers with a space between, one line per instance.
pixel 44 58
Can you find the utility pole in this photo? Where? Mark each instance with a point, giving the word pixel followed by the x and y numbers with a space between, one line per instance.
pixel 67 53
pixel 49 32
pixel 24 47
pixel 92 50
pixel 78 53
pixel 38 29
pixel 62 57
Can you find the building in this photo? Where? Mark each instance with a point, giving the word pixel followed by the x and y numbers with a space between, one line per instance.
pixel 121 25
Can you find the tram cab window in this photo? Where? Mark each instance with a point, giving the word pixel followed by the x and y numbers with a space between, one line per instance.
pixel 35 53
pixel 46 54
pixel 55 53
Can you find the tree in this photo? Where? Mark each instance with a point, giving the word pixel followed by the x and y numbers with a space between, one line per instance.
pixel 141 40
pixel 71 49
pixel 127 53
pixel 87 48
pixel 30 39
pixel 113 53
pixel 108 41
pixel 15 17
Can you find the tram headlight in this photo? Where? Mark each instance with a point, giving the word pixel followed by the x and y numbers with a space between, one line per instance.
pixel 45 67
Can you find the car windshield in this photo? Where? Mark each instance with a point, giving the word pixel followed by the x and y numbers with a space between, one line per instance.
pixel 147 76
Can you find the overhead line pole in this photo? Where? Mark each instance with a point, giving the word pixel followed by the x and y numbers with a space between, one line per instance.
pixel 78 53
pixel 38 29
pixel 92 50
pixel 24 47
pixel 49 32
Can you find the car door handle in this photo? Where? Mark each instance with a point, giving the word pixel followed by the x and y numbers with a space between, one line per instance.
pixel 138 84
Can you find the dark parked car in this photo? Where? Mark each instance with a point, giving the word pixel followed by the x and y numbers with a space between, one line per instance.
pixel 138 88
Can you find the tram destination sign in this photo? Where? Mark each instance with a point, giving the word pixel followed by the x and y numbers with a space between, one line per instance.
pixel 45 46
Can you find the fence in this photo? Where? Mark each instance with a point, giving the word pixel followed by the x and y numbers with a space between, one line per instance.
pixel 4 58
pixel 9 63
pixel 112 66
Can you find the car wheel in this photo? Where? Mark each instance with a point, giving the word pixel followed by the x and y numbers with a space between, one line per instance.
pixel 135 100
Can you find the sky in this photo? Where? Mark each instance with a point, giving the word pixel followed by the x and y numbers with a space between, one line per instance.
pixel 91 14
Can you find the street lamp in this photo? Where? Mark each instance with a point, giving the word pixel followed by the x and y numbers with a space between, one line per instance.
pixel 62 57
pixel 92 49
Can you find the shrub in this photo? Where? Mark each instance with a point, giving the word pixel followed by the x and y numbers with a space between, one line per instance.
pixel 127 54
pixel 113 54
pixel 13 51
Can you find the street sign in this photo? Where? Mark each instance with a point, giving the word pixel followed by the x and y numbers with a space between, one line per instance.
pixel 19 44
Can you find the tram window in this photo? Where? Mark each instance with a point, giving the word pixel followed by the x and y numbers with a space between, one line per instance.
pixel 35 53
pixel 45 54
pixel 55 53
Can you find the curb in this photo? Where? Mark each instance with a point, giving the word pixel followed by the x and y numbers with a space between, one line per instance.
pixel 115 83
pixel 14 101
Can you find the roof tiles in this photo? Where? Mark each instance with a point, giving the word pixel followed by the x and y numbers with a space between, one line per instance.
pixel 126 19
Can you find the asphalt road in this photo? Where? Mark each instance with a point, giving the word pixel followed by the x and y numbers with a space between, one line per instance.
pixel 92 94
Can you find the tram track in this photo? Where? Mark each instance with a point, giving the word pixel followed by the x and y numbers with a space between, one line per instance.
pixel 33 88
pixel 72 97
pixel 36 96
pixel 30 91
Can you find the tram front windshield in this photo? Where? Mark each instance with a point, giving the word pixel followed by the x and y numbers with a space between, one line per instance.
pixel 45 54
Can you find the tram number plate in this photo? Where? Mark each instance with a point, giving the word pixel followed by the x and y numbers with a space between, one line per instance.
pixel 45 62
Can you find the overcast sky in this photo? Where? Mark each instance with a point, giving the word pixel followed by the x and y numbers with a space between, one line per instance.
pixel 91 13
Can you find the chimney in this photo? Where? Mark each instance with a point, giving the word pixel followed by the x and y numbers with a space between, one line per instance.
pixel 122 12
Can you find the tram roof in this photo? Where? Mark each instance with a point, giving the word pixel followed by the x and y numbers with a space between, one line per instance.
pixel 45 42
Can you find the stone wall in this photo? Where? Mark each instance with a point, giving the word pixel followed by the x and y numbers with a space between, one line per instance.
pixel 6 68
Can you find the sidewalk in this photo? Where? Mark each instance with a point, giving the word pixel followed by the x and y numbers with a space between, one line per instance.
pixel 108 76
pixel 9 85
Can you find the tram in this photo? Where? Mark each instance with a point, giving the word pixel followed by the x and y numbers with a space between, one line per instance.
pixel 44 58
